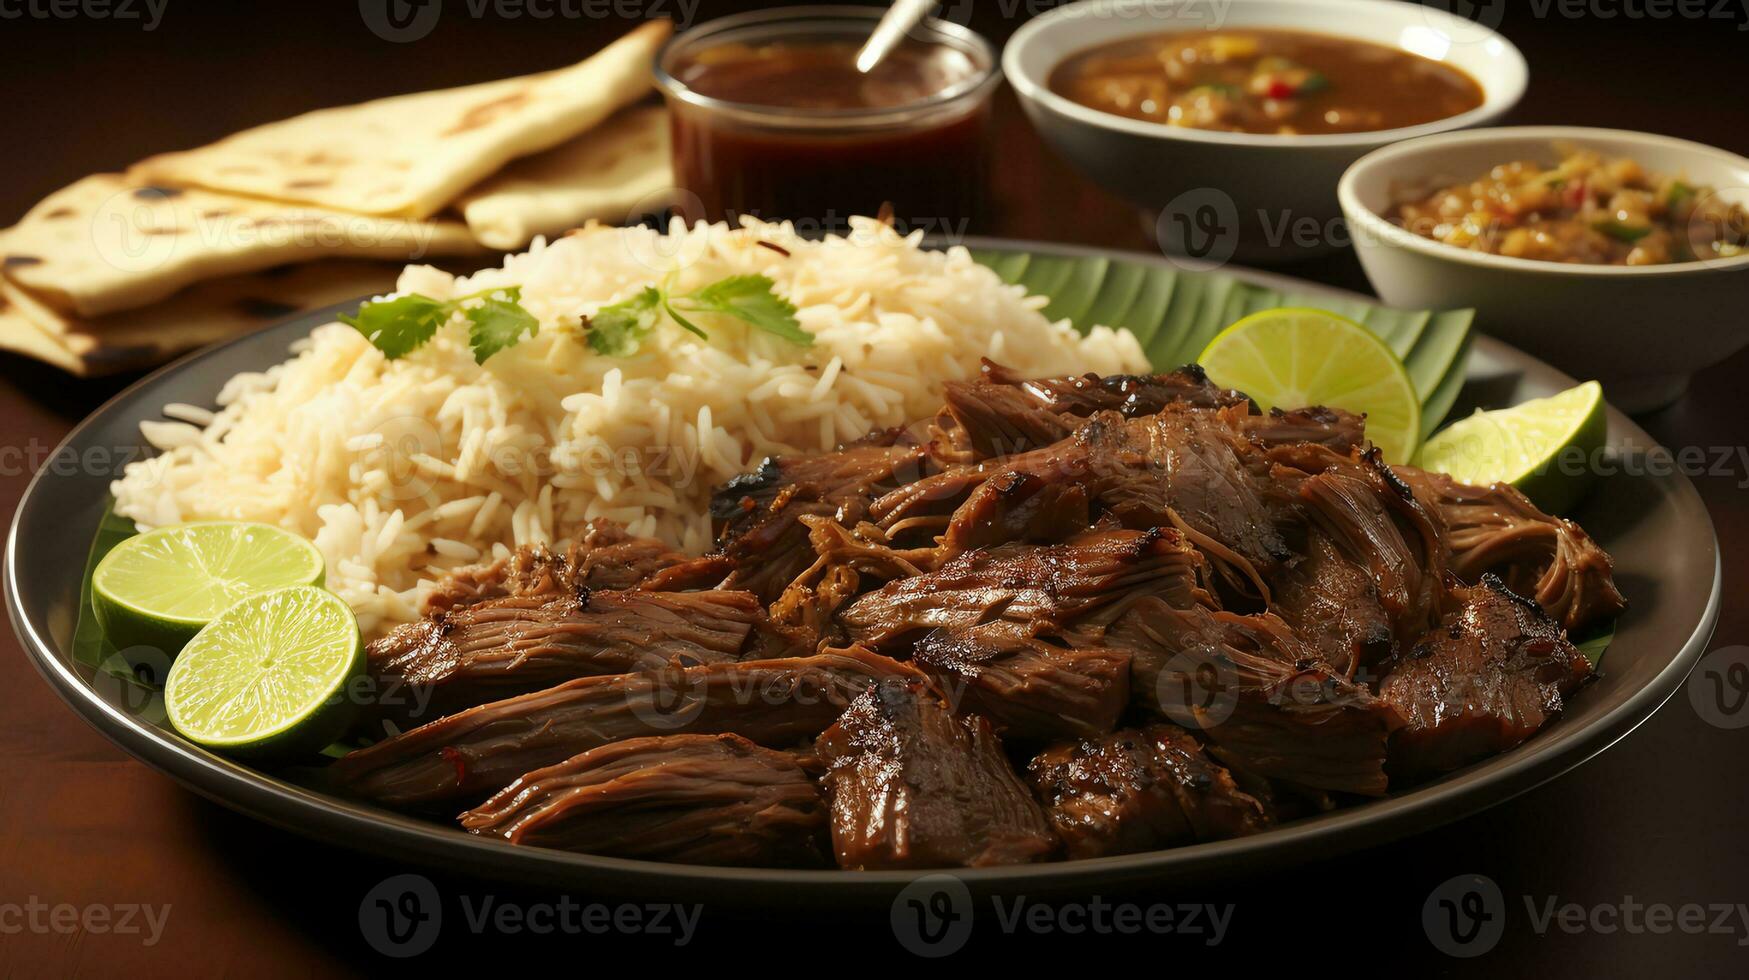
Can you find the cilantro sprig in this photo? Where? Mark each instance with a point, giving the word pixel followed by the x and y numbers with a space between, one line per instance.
pixel 401 325
pixel 617 330
pixel 497 319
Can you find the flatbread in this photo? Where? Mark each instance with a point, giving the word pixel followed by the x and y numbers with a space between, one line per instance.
pixel 104 244
pixel 20 335
pixel 203 314
pixel 602 175
pixel 411 155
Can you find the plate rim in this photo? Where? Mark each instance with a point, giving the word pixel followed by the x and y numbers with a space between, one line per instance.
pixel 337 821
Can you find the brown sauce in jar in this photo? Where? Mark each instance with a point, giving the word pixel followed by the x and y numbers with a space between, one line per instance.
pixel 807 137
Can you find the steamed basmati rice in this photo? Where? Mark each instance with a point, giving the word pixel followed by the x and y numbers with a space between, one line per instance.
pixel 403 470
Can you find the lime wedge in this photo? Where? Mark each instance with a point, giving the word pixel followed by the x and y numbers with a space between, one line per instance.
pixel 1546 447
pixel 269 675
pixel 1295 358
pixel 159 588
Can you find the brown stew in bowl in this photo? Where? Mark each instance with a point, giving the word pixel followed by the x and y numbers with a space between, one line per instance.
pixel 1274 82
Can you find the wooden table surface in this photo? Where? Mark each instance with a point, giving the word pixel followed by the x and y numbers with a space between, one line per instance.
pixel 1657 819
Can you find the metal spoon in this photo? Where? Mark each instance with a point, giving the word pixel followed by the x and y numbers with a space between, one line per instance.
pixel 895 24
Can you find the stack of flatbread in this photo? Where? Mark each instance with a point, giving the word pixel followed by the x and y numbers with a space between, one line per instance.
pixel 121 271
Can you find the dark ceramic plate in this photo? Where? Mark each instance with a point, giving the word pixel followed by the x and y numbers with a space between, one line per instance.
pixel 1655 526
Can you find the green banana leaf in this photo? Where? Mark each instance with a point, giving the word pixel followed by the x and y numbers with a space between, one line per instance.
pixel 1176 312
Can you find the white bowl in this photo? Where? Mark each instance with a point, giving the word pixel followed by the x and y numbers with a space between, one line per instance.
pixel 1251 195
pixel 1641 330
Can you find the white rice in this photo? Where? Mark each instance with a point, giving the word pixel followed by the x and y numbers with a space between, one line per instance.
pixel 403 470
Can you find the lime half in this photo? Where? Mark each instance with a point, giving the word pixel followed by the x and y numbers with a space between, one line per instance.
pixel 269 676
pixel 159 588
pixel 1546 447
pixel 1295 358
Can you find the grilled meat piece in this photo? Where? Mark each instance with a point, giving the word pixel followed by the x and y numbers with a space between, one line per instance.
pixel 1029 686
pixel 1490 676
pixel 470 754
pixel 1039 500
pixel 703 572
pixel 758 515
pixel 1091 577
pixel 1001 413
pixel 1550 559
pixel 604 557
pixel 849 561
pixel 1213 479
pixel 1381 528
pixel 1184 467
pixel 1332 428
pixel 913 786
pixel 503 647
pixel 1138 790
pixel 1333 605
pixel 1264 700
pixel 691 799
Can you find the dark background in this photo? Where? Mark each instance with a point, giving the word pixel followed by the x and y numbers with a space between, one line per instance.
pixel 1658 819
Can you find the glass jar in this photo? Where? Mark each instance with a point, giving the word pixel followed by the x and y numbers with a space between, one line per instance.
pixel 770 118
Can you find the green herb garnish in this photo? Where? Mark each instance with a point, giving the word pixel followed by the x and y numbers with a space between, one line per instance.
pixel 1621 231
pixel 497 319
pixel 497 324
pixel 401 325
pixel 1679 192
pixel 618 329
